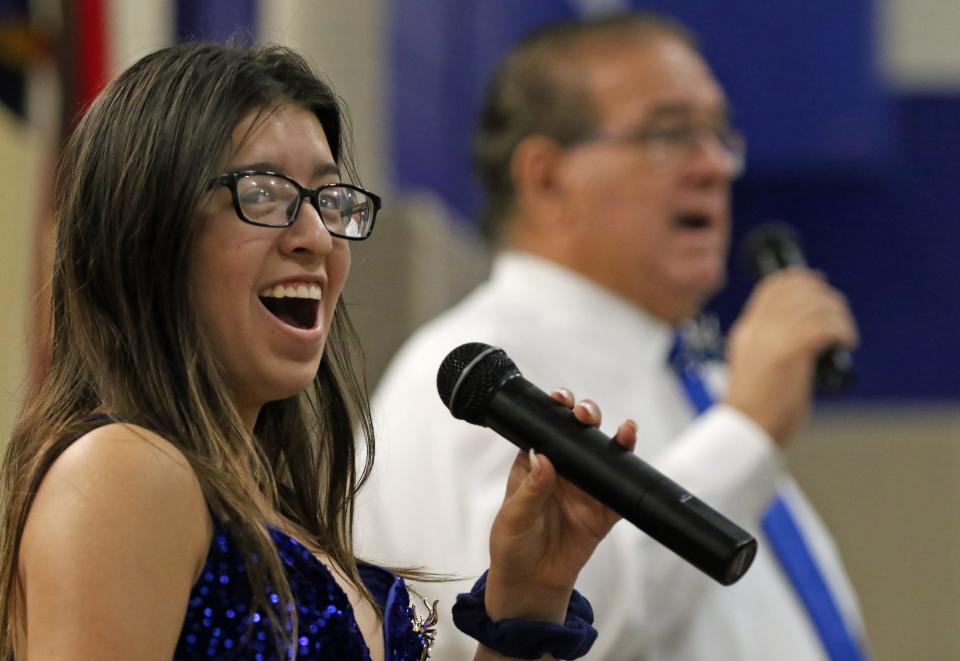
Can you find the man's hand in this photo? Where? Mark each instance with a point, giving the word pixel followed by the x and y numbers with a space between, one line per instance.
pixel 791 317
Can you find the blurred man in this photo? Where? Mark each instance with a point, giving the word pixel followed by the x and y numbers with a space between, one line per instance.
pixel 607 158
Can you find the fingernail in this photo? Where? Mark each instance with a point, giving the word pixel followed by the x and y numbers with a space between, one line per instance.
pixel 563 392
pixel 534 462
pixel 590 406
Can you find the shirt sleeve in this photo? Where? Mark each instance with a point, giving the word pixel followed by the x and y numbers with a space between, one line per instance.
pixel 640 590
pixel 726 459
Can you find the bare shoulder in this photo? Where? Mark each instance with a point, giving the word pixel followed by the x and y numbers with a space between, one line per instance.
pixel 118 478
pixel 132 445
pixel 125 442
pixel 114 539
pixel 122 467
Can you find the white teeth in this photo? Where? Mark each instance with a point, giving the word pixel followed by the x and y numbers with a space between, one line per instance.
pixel 293 291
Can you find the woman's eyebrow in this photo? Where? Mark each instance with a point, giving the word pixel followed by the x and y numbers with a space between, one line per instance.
pixel 268 166
pixel 327 170
pixel 323 170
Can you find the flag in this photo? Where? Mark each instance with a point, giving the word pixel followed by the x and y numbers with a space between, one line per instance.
pixel 21 46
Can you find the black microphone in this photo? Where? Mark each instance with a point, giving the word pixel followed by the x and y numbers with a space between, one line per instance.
pixel 773 247
pixel 480 384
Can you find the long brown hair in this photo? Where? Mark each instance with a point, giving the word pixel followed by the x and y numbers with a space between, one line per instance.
pixel 125 336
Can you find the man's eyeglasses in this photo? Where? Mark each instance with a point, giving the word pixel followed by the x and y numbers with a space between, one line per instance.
pixel 271 199
pixel 669 147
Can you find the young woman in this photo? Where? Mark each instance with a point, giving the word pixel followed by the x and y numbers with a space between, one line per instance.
pixel 181 483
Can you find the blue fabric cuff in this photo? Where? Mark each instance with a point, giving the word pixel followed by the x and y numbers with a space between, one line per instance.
pixel 526 639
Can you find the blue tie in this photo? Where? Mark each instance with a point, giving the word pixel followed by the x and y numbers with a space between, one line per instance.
pixel 784 535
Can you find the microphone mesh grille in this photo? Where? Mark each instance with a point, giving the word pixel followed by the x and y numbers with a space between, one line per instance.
pixel 469 376
pixel 770 247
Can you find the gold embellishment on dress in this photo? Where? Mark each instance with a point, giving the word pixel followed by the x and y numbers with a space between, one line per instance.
pixel 426 627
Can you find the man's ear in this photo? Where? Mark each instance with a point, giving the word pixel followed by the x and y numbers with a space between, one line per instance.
pixel 534 169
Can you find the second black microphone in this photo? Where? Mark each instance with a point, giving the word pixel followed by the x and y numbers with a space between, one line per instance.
pixel 480 384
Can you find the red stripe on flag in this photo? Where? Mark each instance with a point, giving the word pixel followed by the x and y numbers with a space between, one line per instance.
pixel 91 50
pixel 82 63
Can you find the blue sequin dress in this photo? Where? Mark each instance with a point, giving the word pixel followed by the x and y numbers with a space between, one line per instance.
pixel 219 624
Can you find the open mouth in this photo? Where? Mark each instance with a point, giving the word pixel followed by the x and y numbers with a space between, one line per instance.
pixel 692 221
pixel 298 306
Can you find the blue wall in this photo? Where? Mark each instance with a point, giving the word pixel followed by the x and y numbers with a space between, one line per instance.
pixel 890 242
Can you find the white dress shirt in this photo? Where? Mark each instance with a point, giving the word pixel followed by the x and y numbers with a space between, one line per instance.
pixel 438 482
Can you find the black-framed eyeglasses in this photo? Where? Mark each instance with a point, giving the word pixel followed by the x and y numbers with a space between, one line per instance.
pixel 671 146
pixel 271 199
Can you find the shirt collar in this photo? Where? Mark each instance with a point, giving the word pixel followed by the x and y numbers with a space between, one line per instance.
pixel 557 291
